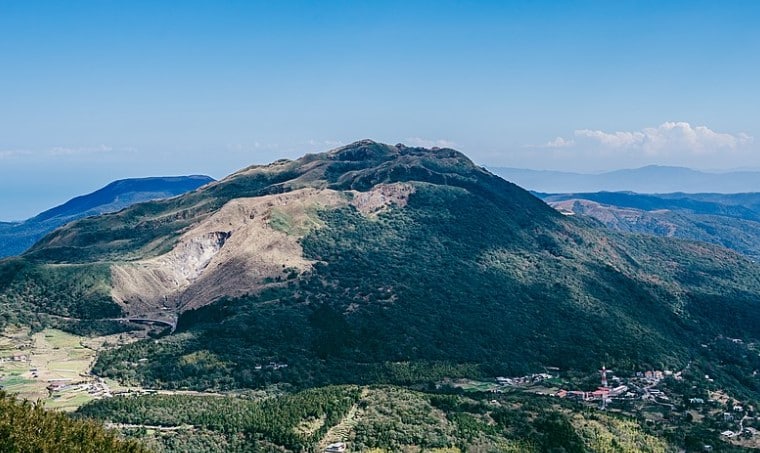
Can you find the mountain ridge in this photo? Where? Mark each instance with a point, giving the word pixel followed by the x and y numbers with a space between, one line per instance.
pixel 729 220
pixel 15 237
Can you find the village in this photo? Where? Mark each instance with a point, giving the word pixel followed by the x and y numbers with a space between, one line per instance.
pixel 646 393
pixel 656 396
pixel 51 366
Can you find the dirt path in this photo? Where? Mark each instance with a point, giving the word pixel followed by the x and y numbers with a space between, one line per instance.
pixel 153 427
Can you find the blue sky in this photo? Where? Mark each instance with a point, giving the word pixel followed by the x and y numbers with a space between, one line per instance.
pixel 95 91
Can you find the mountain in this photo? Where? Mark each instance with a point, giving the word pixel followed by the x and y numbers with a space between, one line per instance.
pixel 15 237
pixel 356 295
pixel 376 263
pixel 729 220
pixel 649 179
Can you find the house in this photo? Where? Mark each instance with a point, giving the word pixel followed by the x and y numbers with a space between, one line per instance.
pixel 696 401
pixel 601 393
pixel 56 386
pixel 728 434
pixel 738 408
pixel 619 390
pixel 337 447
pixel 575 394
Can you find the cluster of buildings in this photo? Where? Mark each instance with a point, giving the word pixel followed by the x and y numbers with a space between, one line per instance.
pixel 523 380
pixel 15 358
pixel 97 388
pixel 602 393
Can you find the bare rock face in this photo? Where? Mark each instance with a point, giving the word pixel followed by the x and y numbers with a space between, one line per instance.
pixel 381 197
pixel 193 256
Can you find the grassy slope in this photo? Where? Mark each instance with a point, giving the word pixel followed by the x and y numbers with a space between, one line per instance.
pixel 17 237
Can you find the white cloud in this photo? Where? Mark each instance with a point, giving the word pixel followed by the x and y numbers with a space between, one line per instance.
pixel 560 142
pixel 428 143
pixel 671 143
pixel 667 138
pixel 63 152
pixel 66 151
pixel 10 153
pixel 319 144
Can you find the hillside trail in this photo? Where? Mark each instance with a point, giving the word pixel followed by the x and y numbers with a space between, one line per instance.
pixel 342 431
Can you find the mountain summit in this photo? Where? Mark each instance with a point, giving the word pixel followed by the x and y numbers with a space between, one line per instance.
pixel 345 264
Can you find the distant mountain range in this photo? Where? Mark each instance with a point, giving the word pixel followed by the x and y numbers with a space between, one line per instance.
pixel 15 237
pixel 730 220
pixel 650 179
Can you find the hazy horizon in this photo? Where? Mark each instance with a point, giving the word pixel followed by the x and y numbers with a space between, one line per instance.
pixel 29 211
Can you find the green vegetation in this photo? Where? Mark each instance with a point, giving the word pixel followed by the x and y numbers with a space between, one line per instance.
pixel 77 291
pixel 373 419
pixel 274 420
pixel 730 221
pixel 18 236
pixel 29 428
